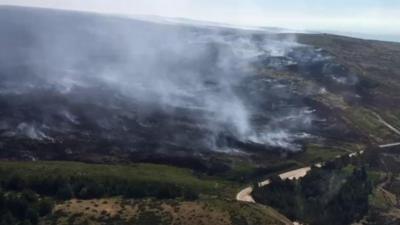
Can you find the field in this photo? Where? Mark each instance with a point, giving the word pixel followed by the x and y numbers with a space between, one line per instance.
pixel 215 203
pixel 144 212
pixel 136 173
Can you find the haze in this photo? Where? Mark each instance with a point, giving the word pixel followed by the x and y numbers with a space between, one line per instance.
pixel 362 18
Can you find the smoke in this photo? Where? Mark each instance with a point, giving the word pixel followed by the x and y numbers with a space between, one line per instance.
pixel 200 82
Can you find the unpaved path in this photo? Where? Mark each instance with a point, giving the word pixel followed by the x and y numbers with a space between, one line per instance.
pixel 295 174
pixel 391 127
pixel 245 194
pixel 388 125
pixel 389 145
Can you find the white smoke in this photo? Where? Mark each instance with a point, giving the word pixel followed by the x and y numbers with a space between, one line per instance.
pixel 167 66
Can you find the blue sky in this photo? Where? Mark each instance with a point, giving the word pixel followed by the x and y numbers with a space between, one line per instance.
pixel 374 17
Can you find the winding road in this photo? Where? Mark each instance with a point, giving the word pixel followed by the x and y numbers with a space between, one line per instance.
pixel 245 194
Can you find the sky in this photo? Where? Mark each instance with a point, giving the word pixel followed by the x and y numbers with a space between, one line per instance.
pixel 376 18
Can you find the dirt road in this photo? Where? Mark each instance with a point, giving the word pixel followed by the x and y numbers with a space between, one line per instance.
pixel 245 194
pixel 388 125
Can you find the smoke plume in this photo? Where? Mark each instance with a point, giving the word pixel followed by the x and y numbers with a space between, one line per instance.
pixel 193 87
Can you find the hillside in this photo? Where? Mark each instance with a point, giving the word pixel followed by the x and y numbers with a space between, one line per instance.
pixel 146 120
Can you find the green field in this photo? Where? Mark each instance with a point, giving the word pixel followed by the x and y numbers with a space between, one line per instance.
pixel 215 204
pixel 134 173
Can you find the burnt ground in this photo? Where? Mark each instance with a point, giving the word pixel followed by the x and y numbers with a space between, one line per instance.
pixel 338 80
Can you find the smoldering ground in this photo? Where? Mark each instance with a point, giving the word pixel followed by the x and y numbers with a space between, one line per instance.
pixel 75 78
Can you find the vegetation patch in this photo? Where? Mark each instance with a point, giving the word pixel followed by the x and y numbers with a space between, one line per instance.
pixel 328 195
pixel 66 180
pixel 163 212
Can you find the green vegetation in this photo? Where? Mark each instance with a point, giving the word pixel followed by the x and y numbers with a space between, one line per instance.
pixel 164 212
pixel 366 122
pixel 65 180
pixel 113 194
pixel 384 171
pixel 23 208
pixel 28 187
pixel 329 195
pixel 382 199
pixel 316 153
pixel 392 117
pixel 246 173
pixel 148 217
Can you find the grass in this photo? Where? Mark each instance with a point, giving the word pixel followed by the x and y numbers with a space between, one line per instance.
pixel 214 207
pixel 392 117
pixel 136 173
pixel 247 213
pixel 119 211
pixel 348 170
pixel 382 199
pixel 316 153
pixel 246 172
pixel 364 120
pixel 96 208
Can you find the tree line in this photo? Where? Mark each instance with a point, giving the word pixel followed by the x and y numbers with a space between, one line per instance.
pixel 23 208
pixel 330 195
pixel 25 198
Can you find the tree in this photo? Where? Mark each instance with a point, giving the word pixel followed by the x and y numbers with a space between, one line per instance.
pixel 65 192
pixel 45 206
pixel 2 203
pixel 190 195
pixel 15 183
pixel 32 216
pixel 30 196
pixel 8 219
pixel 18 206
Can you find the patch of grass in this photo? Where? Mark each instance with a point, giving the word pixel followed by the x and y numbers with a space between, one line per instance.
pixel 249 172
pixel 366 122
pixel 155 212
pixel 375 177
pixel 382 199
pixel 392 117
pixel 139 173
pixel 348 170
pixel 319 153
pixel 245 213
pixel 148 217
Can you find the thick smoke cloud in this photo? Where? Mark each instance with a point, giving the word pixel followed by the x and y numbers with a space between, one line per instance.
pixel 202 79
